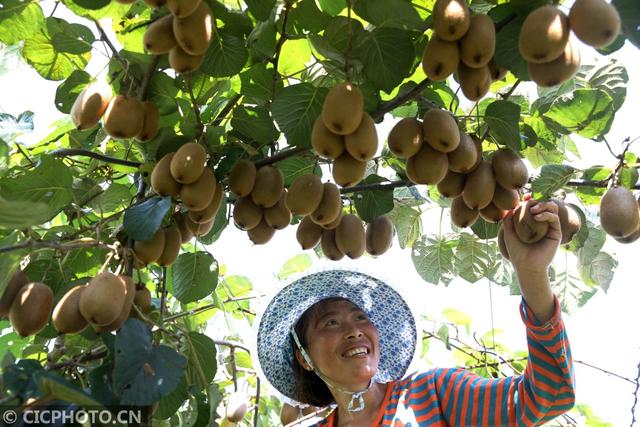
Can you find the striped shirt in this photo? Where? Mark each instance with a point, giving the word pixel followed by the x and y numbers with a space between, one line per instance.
pixel 456 397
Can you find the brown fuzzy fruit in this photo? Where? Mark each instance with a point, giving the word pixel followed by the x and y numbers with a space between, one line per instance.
pixel 343 108
pixel 199 229
pixel 172 242
pixel 474 82
pixel 348 171
pixel 151 123
pixel 208 213
pixel 305 194
pixel 183 8
pixel 268 186
pixel 124 117
pixel 162 181
pixel 16 282
pixel 451 19
pixel 509 169
pixel 440 58
pixel 330 206
pixel 142 299
pixel 479 43
pixel 159 38
pixel 261 233
pixel 155 3
pixel 66 315
pixel 30 310
pixel 193 32
pixel 329 247
pixel 308 233
pixel 102 300
pixel 199 194
pixel 362 143
pixel 491 213
pixel 559 70
pixel 90 105
pixel 452 184
pixel 242 177
pixel 350 236
pixel 440 130
pixel 405 138
pixel 124 311
pixel 544 34
pixel 326 143
pixel 461 214
pixel 188 163
pixel 505 198
pixel 183 62
pixel 147 251
pixel 527 228
pixel 246 214
pixel 278 216
pixel 379 236
pixel 630 238
pixel 333 224
pixel 570 222
pixel 619 213
pixel 428 166
pixel 465 157
pixel 479 186
pixel 181 220
pixel 594 22
pixel 497 72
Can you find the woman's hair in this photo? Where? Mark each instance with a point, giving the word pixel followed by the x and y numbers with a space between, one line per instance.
pixel 309 387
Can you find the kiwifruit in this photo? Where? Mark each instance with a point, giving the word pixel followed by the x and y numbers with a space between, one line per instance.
pixel 208 213
pixel 199 229
pixel 124 117
pixel 237 407
pixel 242 177
pixel 156 3
pixel 162 181
pixel 124 311
pixel 305 194
pixel 526 227
pixel 268 187
pixel 246 214
pixel 30 310
pixel 362 143
pixel 180 220
pixel 440 58
pixel 477 142
pixel 461 214
pixel 348 171
pixel 343 108
pixel 619 213
pixel 474 82
pixel 559 70
pixel 630 238
pixel 326 143
pixel 379 235
pixel 544 34
pixel 505 198
pixel 308 233
pixel 66 315
pixel 183 8
pixel 405 138
pixel 350 236
pixel 594 22
pixel 492 213
pixel 570 222
pixel 329 247
pixel 142 299
pixel 278 216
pixel 452 184
pixel 451 19
pixel 509 169
pixel 479 186
pixel 188 163
pixel 171 249
pixel 440 130
pixel 427 166
pixel 330 206
pixel 333 224
pixel 183 62
pixel 497 72
pixel 465 157
pixel 502 246
pixel 151 123
pixel 199 194
pixel 261 233
pixel 90 105
pixel 147 251
pixel 479 43
pixel 159 38
pixel 103 298
pixel 193 32
pixel 17 281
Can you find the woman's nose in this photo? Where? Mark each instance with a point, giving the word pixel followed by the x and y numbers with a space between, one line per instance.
pixel 353 332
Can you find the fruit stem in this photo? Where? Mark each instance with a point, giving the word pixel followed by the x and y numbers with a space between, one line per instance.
pixel 123 62
pixel 70 152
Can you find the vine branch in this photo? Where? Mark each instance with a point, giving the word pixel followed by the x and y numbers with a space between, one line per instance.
pixel 226 110
pixel 284 154
pixel 196 108
pixel 281 40
pixel 400 100
pixel 142 92
pixel 123 62
pixel 49 244
pixel 635 398
pixel 70 152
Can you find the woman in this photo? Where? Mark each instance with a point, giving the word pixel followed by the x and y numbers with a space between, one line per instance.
pixel 347 339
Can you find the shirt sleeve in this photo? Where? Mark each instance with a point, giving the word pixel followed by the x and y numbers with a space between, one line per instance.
pixel 545 390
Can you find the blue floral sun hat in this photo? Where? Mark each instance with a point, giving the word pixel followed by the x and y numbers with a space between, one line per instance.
pixel 386 308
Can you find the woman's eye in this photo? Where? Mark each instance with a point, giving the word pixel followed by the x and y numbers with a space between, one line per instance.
pixel 331 322
pixel 363 317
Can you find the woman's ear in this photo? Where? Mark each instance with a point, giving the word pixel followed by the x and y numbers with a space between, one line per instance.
pixel 301 360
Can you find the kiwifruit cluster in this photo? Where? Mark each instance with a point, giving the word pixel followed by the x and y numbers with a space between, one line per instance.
pixel 545 39
pixel 345 133
pixel 184 33
pixel 620 214
pixel 28 304
pixel 261 207
pixel 465 43
pixel 123 116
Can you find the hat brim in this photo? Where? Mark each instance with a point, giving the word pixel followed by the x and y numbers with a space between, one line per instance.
pixel 386 309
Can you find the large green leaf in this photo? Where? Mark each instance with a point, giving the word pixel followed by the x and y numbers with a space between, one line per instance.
pixel 19 20
pixel 294 56
pixel 599 271
pixel 611 78
pixel 484 229
pixel 169 404
pixel 433 259
pixel 59 388
pixel 9 261
pixel 142 221
pixel 257 84
pixel 503 118
pixel 507 51
pixel 587 112
pixel 571 291
pixel 332 7
pixel 387 55
pixel 202 364
pixel 144 373
pixel 293 167
pixel 295 110
pixel 473 258
pixel 629 11
pixel 592 245
pixel 18 214
pixel 297 264
pixel 390 13
pixel 261 9
pixel 307 16
pixel 70 38
pixel 97 9
pixel 226 55
pixel 592 195
pixel 551 179
pixel 255 124
pixel 194 276
pixel 406 220
pixel 374 203
pixel 69 90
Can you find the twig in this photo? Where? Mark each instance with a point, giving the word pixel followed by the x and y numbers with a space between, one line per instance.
pixel 400 100
pixel 284 154
pixel 226 110
pixel 142 92
pixel 256 411
pixel 281 40
pixel 48 244
pixel 196 108
pixel 93 354
pixel 635 398
pixel 123 62
pixel 378 186
pixel 69 152
pixel 609 147
pixel 232 344
pixel 163 296
pixel 607 372
pixel 26 156
pixel 207 307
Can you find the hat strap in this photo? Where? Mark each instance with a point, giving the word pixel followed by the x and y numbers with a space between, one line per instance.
pixel 356 397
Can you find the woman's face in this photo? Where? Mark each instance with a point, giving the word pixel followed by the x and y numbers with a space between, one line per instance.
pixel 343 344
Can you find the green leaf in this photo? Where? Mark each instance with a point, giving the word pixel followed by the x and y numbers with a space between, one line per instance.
pixel 294 167
pixel 48 183
pixel 294 56
pixel 387 55
pixel 18 214
pixel 70 38
pixel 406 220
pixel 485 230
pixel 473 258
pixel 593 244
pixel 202 364
pixel 332 7
pixel 551 179
pixel 297 264
pixel 255 124
pixel 97 9
pixel 611 78
pixel 59 388
pixel 628 177
pixel 599 271
pixel 262 40
pixel 257 84
pixel 194 276
pixel 163 92
pixel 592 195
pixel 261 9
pixel 373 203
pixel 169 404
pixel 307 16
pixel 92 4
pixel 219 224
pixel 571 291
pixel 69 90
pixel 433 259
pixel 629 11
pixel 295 110
pixel 458 317
pixel 226 55
pixel 390 13
pixel 9 261
pixel 587 112
pixel 46 55
pixel 443 334
pixel 142 221
pixel 113 198
pixel 144 373
pixel 503 118
pixel 507 51
pixel 19 20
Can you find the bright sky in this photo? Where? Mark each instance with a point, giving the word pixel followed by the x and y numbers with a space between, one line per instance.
pixel 603 333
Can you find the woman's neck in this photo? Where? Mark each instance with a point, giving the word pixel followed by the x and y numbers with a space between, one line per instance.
pixel 373 400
